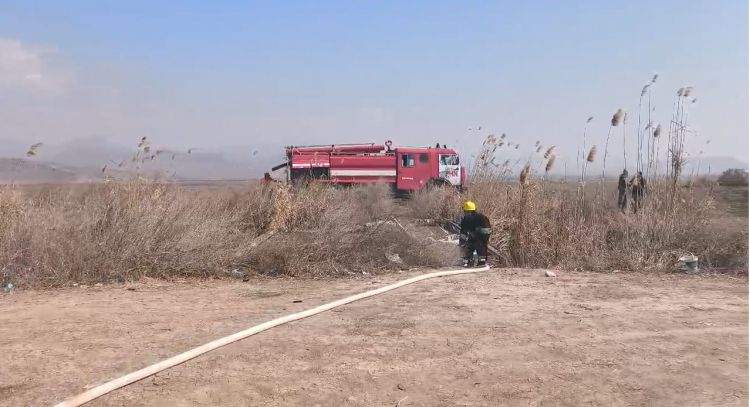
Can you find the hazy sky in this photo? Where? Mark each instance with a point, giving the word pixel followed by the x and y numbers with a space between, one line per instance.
pixel 223 73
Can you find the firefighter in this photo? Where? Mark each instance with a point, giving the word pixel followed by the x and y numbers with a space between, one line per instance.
pixel 474 235
pixel 637 188
pixel 622 194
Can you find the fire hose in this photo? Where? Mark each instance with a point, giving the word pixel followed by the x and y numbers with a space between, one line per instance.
pixel 133 377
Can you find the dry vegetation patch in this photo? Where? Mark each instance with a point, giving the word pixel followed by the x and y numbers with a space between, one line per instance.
pixel 538 223
pixel 57 235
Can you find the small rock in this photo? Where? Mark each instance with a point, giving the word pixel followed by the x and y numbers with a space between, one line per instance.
pixel 400 387
pixel 550 273
pixel 98 285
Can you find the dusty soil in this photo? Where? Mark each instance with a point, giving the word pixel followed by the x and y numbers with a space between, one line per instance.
pixel 507 337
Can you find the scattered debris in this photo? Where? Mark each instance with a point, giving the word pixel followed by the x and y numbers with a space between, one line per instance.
pixel 401 226
pixel 450 239
pixel 688 263
pixel 394 258
pixel 378 223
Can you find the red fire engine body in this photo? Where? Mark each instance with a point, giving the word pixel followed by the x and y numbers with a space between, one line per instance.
pixel 405 168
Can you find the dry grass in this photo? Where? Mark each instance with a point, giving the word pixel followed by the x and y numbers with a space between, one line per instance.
pixel 548 224
pixel 56 235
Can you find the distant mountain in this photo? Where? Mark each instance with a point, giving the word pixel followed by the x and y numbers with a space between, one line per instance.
pixel 12 148
pixel 24 171
pixel 713 165
pixel 86 152
pixel 86 158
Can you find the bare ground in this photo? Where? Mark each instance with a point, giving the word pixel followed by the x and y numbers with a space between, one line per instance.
pixel 507 337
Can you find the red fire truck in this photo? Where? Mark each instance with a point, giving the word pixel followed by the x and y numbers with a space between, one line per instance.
pixel 405 168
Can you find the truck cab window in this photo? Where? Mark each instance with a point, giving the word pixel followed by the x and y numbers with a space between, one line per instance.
pixel 424 158
pixel 450 159
pixel 407 160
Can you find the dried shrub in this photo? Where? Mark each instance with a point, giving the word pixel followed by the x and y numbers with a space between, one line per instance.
pixel 55 235
pixel 546 224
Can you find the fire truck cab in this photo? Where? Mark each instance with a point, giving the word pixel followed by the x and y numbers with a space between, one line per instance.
pixel 404 168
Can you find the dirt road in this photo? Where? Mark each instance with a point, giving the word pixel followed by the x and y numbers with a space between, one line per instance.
pixel 509 337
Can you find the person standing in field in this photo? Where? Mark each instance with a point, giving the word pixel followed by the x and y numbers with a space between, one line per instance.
pixel 637 188
pixel 622 194
pixel 474 235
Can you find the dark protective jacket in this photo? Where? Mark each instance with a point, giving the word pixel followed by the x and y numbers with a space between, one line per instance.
pixel 622 183
pixel 474 225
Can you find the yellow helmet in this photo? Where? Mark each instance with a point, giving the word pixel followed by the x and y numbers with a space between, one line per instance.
pixel 470 206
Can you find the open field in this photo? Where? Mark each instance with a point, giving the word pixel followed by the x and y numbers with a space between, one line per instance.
pixel 57 235
pixel 506 337
pixel 170 260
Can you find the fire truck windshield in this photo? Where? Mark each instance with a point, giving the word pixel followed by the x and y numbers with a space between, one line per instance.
pixel 449 159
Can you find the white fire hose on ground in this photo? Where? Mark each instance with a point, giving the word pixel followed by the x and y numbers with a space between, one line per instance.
pixel 133 377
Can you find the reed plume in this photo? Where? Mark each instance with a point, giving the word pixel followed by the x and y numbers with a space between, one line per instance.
pixel 617 117
pixel 550 163
pixel 592 154
pixel 524 176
